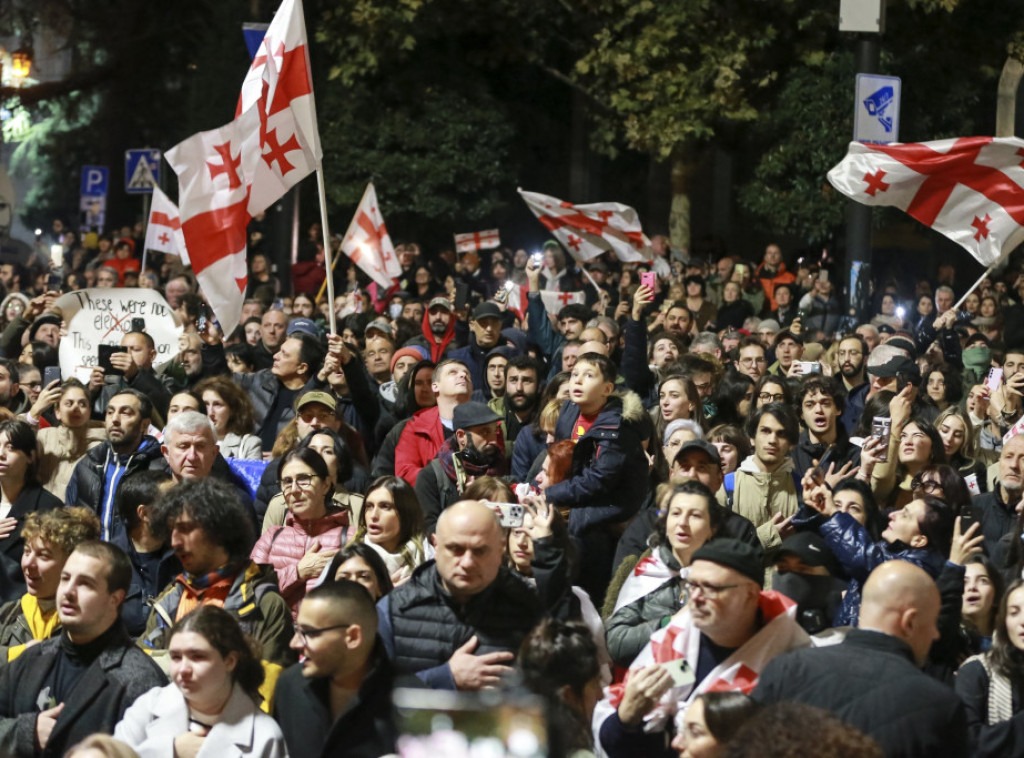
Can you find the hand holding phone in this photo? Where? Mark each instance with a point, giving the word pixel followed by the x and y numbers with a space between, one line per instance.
pixel 647 279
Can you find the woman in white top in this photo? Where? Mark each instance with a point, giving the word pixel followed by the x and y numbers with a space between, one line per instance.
pixel 211 710
pixel 231 412
pixel 391 522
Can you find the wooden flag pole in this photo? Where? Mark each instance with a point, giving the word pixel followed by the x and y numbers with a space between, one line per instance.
pixel 329 281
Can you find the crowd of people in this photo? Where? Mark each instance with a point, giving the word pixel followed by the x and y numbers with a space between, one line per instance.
pixel 706 511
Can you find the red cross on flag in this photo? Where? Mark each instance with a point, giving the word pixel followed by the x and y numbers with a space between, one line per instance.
pixel 368 244
pixel 970 189
pixel 164 230
pixel 486 240
pixel 555 301
pixel 228 175
pixel 589 230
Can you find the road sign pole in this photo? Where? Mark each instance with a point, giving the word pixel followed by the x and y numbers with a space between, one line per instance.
pixel 145 222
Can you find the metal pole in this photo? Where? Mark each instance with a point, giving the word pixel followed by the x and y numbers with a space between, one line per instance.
pixel 146 199
pixel 858 216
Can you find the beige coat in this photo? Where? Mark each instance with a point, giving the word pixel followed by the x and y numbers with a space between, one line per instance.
pixel 758 496
pixel 60 450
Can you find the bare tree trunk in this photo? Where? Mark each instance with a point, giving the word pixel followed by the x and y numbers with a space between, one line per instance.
pixel 683 170
pixel 1006 103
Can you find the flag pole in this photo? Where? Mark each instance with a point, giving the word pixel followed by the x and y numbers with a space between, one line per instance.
pixel 980 280
pixel 327 247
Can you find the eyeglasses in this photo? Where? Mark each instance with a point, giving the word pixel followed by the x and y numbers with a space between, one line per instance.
pixel 927 485
pixel 710 591
pixel 752 361
pixel 768 397
pixel 305 635
pixel 302 481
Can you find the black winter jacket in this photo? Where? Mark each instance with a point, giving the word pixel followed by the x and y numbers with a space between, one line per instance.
pixel 30 500
pixel 870 682
pixel 996 740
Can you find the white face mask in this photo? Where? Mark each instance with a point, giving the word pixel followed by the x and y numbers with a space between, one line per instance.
pixel 395 310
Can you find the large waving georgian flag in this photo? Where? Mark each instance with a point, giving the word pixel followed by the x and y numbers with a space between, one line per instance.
pixel 228 175
pixel 970 189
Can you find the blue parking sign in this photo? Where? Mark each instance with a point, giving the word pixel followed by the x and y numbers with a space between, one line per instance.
pixel 95 180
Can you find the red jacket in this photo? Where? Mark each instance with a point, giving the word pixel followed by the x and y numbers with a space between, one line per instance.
pixel 283 547
pixel 421 439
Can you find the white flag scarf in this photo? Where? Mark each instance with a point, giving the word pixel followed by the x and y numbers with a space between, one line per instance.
pixel 555 301
pixel 368 243
pixel 163 232
pixel 589 230
pixel 970 189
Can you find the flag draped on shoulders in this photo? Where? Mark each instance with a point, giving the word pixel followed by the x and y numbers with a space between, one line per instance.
pixel 589 230
pixel 970 189
pixel 228 175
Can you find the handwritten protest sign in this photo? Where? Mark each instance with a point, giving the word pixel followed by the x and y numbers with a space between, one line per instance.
pixel 103 316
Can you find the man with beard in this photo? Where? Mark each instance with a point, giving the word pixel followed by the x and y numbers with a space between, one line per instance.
pixel 473 451
pixel 485 326
pixel 128 449
pixel 522 393
pixel 438 327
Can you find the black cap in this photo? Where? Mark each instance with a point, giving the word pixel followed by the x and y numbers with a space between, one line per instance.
pixel 471 413
pixel 733 554
pixel 703 446
pixel 46 318
pixel 898 364
pixel 787 334
pixel 811 549
pixel 486 310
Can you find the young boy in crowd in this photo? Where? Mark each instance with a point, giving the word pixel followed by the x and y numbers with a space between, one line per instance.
pixel 608 477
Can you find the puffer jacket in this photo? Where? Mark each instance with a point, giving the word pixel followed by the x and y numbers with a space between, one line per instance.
pixel 758 495
pixel 631 626
pixel 859 555
pixel 608 480
pixel 283 547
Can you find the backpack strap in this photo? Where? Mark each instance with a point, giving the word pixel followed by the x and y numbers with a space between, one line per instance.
pixel 730 487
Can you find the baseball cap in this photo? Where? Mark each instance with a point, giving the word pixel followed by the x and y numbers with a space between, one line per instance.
pixel 303 325
pixel 380 325
pixel 703 446
pixel 317 396
pixel 486 310
pixel 440 301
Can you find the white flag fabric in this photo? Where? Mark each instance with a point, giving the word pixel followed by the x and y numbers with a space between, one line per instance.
pixel 555 301
pixel 970 189
pixel 470 241
pixel 228 175
pixel 589 230
pixel 368 244
pixel 163 232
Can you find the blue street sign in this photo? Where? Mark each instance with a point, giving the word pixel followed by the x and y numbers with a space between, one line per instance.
pixel 95 180
pixel 877 115
pixel 141 170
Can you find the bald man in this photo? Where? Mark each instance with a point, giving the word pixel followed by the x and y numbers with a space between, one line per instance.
pixel 458 620
pixel 873 680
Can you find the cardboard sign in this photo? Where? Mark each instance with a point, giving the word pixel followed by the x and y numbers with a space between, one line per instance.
pixel 103 316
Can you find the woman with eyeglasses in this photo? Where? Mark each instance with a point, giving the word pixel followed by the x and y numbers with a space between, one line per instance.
pixel 991 685
pixel 772 389
pixel 313 531
pixel 211 708
pixel 647 589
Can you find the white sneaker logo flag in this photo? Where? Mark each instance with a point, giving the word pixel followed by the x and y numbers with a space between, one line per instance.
pixel 970 189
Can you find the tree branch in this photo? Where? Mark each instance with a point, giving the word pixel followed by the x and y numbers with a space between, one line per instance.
pixel 50 90
pixel 577 87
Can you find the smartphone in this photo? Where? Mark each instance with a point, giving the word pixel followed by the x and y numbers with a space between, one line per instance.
pixel 138 324
pixel 105 351
pixel 537 259
pixel 966 517
pixel 54 282
pixel 680 671
pixel 823 275
pixel 647 279
pixel 461 296
pixel 51 374
pixel 202 318
pixel 808 367
pixel 510 515
pixel 995 379
pixel 881 427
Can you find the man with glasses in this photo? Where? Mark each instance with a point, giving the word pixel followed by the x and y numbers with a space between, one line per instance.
pixel 824 441
pixel 210 532
pixel 751 358
pixel 337 701
pixel 727 629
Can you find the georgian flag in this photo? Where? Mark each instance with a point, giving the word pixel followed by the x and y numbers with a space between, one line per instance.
pixel 970 189
pixel 228 175
pixel 164 230
pixel 470 241
pixel 368 243
pixel 586 231
pixel 555 301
